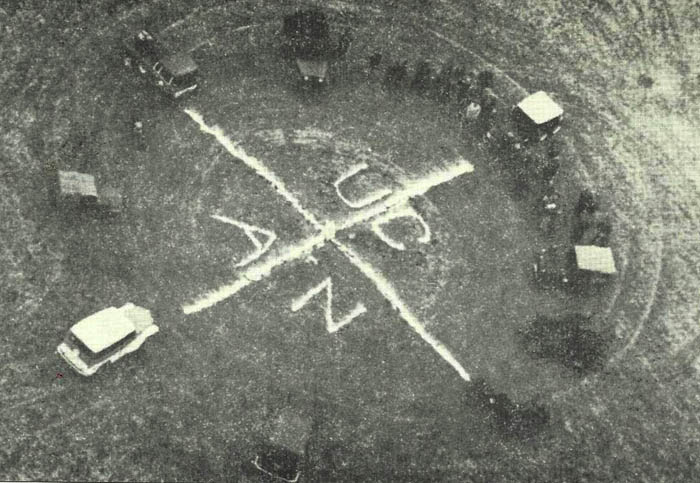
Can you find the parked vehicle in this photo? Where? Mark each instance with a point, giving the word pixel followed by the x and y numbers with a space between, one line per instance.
pixel 567 266
pixel 106 336
pixel 306 39
pixel 174 73
pixel 70 189
pixel 536 117
pixel 553 267
pixel 313 71
pixel 73 191
pixel 282 456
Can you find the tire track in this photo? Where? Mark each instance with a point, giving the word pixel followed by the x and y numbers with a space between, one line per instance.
pixel 647 308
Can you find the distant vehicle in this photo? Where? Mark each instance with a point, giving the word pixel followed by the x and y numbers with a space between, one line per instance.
pixel 537 116
pixel 552 267
pixel 313 71
pixel 282 456
pixel 174 73
pixel 73 190
pixel 106 336
pixel 306 38
pixel 562 266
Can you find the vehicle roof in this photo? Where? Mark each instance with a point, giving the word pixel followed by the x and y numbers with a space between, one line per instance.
pixel 106 327
pixel 540 108
pixel 72 182
pixel 595 259
pixel 179 64
pixel 291 431
pixel 313 68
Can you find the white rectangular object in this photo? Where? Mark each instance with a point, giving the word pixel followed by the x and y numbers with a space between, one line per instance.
pixel 74 183
pixel 104 328
pixel 595 259
pixel 540 108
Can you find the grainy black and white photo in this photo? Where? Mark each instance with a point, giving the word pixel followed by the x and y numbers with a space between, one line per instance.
pixel 350 241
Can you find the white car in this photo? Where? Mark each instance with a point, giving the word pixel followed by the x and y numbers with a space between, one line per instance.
pixel 106 336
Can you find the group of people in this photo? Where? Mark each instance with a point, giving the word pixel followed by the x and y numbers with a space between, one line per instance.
pixel 470 93
pixel 534 168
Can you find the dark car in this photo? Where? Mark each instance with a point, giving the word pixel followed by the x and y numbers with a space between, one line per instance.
pixel 307 39
pixel 174 73
pixel 554 266
pixel 281 457
pixel 574 266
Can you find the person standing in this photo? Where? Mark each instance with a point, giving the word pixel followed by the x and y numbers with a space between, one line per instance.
pixel 488 111
pixel 471 113
pixel 551 210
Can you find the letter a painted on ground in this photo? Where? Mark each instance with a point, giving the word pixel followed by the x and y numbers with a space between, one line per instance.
pixel 250 232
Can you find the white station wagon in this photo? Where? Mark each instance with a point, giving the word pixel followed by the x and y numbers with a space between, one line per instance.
pixel 106 336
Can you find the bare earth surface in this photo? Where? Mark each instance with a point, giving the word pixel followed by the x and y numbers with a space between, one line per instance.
pixel 448 277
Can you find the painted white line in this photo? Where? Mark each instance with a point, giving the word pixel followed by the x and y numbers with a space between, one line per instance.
pixel 412 188
pixel 331 326
pixel 250 230
pixel 388 291
pixel 243 28
pixel 201 44
pixel 252 162
pixel 371 198
pixel 405 211
pixel 275 137
pixel 257 271
pixel 328 232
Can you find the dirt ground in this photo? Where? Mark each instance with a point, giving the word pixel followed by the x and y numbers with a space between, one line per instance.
pixel 194 402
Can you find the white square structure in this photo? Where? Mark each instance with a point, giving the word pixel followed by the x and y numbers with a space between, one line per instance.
pixel 595 259
pixel 540 108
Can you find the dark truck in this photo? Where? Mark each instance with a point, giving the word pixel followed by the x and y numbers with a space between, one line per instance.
pixel 307 40
pixel 174 73
pixel 575 266
pixel 281 457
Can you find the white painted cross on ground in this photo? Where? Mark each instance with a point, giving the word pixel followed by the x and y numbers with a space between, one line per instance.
pixel 378 209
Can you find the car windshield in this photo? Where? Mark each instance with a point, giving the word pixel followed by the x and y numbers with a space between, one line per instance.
pixel 146 47
pixel 90 357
